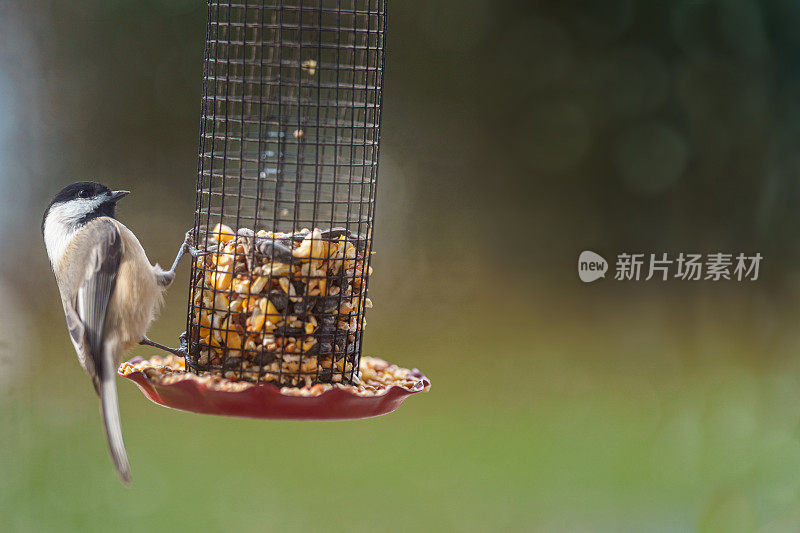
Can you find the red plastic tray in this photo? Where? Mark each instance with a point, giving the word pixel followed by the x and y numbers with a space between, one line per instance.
pixel 266 401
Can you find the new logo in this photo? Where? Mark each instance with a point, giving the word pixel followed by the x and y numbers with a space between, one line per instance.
pixel 591 266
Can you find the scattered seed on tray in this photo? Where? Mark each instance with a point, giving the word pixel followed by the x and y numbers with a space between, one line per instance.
pixel 377 377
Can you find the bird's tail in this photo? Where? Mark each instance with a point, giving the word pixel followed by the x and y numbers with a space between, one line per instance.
pixel 109 405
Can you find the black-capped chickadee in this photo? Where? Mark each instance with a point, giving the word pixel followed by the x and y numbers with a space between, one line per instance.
pixel 109 289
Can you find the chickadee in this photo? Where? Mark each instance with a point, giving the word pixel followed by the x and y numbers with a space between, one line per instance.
pixel 109 289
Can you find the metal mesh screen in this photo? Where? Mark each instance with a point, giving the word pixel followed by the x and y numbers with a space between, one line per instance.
pixel 288 162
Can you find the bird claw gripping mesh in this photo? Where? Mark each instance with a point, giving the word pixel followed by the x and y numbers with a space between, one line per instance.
pixel 287 167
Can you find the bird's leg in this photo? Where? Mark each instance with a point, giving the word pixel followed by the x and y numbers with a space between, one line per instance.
pixel 187 246
pixel 165 278
pixel 174 351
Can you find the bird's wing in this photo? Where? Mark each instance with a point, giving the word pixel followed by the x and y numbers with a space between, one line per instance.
pixel 86 322
pixel 77 333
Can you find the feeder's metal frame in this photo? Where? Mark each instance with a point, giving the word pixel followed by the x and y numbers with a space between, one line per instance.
pixel 290 129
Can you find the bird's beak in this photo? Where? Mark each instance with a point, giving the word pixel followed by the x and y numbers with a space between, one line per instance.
pixel 119 195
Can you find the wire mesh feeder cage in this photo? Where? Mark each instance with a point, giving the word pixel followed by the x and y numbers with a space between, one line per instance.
pixel 287 168
pixel 288 161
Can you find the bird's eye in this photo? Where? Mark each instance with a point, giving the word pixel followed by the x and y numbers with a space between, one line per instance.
pixel 83 194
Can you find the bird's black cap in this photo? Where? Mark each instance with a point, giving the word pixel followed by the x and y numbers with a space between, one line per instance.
pixel 80 189
pixel 84 189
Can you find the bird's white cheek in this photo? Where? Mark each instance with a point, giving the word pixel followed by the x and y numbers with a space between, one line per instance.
pixel 56 241
pixel 62 224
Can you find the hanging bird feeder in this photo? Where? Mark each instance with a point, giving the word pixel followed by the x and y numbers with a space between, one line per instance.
pixel 288 163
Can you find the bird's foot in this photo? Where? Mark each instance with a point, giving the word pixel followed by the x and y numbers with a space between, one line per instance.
pixel 174 351
pixel 189 247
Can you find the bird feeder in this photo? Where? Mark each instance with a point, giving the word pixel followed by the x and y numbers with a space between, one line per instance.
pixel 287 171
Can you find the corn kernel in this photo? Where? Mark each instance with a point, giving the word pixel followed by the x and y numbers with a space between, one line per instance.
pixel 259 284
pixel 222 233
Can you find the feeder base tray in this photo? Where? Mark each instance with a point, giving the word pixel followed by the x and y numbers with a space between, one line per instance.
pixel 383 388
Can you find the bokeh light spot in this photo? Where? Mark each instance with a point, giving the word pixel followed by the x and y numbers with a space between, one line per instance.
pixel 650 157
pixel 630 82
pixel 537 52
pixel 556 136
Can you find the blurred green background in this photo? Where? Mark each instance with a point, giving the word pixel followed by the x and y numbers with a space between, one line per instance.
pixel 516 134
